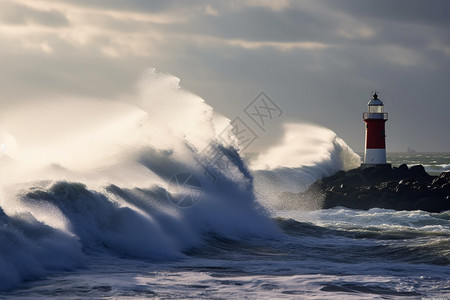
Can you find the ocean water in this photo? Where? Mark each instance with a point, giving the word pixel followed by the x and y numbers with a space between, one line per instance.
pixel 148 198
pixel 434 163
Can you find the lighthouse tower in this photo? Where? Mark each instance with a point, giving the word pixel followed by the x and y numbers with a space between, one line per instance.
pixel 375 150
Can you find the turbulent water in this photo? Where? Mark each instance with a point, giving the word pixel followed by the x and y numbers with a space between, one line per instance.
pixel 146 197
pixel 434 163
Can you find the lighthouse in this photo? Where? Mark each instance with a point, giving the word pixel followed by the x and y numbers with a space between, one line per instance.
pixel 375 118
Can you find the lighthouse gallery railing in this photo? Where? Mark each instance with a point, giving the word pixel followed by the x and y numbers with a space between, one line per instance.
pixel 383 116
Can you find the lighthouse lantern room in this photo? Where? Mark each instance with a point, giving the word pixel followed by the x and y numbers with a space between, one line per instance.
pixel 375 119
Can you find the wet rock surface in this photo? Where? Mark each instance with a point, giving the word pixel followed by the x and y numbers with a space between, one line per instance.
pixel 399 188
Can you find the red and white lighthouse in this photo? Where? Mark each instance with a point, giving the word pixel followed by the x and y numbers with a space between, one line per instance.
pixel 375 150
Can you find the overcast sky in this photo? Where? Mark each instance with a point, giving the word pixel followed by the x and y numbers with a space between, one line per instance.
pixel 318 60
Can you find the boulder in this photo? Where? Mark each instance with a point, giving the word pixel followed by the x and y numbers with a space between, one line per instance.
pixel 441 180
pixel 419 172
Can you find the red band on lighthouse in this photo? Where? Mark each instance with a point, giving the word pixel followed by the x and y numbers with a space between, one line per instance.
pixel 375 134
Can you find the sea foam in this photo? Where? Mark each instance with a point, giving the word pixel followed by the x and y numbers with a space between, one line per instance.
pixel 95 176
pixel 92 177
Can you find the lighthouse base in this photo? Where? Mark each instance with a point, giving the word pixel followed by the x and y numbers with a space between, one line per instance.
pixel 365 166
pixel 375 156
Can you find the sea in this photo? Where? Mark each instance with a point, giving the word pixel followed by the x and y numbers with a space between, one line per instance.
pixel 148 199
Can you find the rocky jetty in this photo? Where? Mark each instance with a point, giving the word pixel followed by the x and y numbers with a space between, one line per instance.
pixel 399 188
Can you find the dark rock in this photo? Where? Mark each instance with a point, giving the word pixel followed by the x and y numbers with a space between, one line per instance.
pixel 432 204
pixel 399 188
pixel 404 205
pixel 445 175
pixel 406 181
pixel 439 181
pixel 389 185
pixel 438 192
pixel 332 178
pixel 419 185
pixel 419 172
pixel 402 188
pixel 401 172
pixel 403 168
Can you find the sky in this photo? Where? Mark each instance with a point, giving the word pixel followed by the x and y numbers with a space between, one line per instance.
pixel 319 61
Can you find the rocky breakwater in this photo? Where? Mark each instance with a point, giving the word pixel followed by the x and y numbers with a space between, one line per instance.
pixel 399 188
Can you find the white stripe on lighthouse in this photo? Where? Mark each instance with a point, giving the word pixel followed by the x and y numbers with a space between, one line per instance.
pixel 375 156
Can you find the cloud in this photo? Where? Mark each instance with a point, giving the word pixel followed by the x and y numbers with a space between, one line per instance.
pixel 409 11
pixel 12 13
pixel 261 24
pixel 318 58
pixel 118 5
